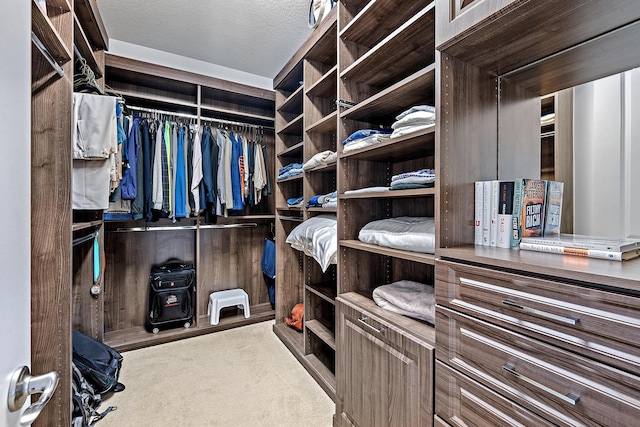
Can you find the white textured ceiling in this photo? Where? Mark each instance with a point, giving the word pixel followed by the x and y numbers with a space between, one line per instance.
pixel 254 36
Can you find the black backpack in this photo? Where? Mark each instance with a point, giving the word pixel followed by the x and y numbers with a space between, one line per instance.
pixel 96 368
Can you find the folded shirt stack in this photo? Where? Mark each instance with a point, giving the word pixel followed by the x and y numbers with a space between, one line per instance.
pixel 423 178
pixel 324 200
pixel 365 137
pixel 290 170
pixel 367 190
pixel 295 202
pixel 414 119
pixel 320 159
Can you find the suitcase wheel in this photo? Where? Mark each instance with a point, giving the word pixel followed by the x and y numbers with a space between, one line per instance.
pixel 186 325
pixel 155 330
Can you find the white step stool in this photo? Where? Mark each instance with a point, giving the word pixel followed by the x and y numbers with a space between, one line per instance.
pixel 229 298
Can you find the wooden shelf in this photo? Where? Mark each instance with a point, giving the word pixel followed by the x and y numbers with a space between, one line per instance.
pixel 417 89
pixel 323 210
pixel 378 19
pixel 91 22
pixel 396 253
pixel 325 86
pixel 290 179
pixel 235 115
pixel 293 104
pixel 81 42
pixel 156 98
pixel 407 49
pixel 48 35
pixel 292 151
pixel 139 337
pixel 294 127
pixel 325 125
pixel 324 49
pixel 321 332
pixel 396 149
pixel 420 192
pixel 323 168
pixel 324 290
pixel 77 226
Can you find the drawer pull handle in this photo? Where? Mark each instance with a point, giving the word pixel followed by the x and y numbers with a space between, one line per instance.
pixel 563 319
pixel 569 398
pixel 363 320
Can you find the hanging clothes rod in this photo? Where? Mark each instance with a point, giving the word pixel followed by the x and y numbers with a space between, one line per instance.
pixel 185 227
pixel 193 116
pixel 83 239
pixel 45 52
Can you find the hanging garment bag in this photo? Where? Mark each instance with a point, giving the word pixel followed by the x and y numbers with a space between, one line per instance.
pixel 172 295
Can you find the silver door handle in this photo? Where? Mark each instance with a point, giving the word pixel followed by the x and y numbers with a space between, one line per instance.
pixel 569 398
pixel 23 385
pixel 363 320
pixel 568 320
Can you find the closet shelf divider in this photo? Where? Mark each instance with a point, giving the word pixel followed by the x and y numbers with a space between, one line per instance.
pixel 396 253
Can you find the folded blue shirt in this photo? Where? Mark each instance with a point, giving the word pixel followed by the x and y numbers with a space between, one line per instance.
pixel 363 133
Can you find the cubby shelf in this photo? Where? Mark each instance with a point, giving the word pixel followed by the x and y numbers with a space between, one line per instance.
pixel 325 86
pixel 408 48
pixel 294 127
pixel 292 151
pixel 325 124
pixel 396 149
pixel 325 290
pixel 42 27
pixel 422 192
pixel 396 253
pixel 322 332
pixel 293 104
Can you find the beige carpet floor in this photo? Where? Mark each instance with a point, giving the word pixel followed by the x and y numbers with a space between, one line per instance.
pixel 239 377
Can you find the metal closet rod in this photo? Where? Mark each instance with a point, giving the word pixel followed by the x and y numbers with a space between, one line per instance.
pixel 47 55
pixel 83 239
pixel 185 227
pixel 193 116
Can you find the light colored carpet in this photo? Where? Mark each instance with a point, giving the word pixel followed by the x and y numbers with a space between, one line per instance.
pixel 239 377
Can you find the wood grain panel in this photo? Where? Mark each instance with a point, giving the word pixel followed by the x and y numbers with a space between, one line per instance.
pixel 467 146
pixel 384 376
pixel 88 311
pixel 51 255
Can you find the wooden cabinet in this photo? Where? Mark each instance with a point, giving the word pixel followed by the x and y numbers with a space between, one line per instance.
pixel 565 352
pixel 385 367
pixel 227 253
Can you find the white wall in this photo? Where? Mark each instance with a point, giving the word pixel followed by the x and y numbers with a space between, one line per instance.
pixel 154 56
pixel 15 172
pixel 604 133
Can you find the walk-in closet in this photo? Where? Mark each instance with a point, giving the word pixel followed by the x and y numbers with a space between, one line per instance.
pixel 299 201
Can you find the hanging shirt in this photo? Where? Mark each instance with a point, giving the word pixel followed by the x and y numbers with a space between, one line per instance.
pixel 128 183
pixel 166 168
pixel 197 168
pixel 221 187
pixel 181 176
pixel 158 168
pixel 236 172
pixel 228 148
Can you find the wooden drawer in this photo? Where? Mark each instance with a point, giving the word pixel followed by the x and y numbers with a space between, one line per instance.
pixel 563 387
pixel 596 323
pixel 462 401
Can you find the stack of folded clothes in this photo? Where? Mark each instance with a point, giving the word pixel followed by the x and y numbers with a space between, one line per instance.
pixel 416 118
pixel 290 170
pixel 365 137
pixel 295 202
pixel 329 200
pixel 320 159
pixel 423 178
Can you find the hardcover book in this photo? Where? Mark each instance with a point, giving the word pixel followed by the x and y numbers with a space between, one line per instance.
pixel 553 208
pixel 477 225
pixel 518 186
pixel 505 211
pixel 578 241
pixel 532 212
pixel 590 253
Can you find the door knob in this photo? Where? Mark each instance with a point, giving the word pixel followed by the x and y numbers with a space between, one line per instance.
pixel 24 385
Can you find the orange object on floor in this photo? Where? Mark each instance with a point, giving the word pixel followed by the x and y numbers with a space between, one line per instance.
pixel 297 314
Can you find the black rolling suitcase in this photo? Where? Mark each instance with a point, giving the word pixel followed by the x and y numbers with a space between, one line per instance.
pixel 172 295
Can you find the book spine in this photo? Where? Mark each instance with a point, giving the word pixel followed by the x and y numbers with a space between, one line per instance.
pixel 553 208
pixel 518 187
pixel 495 202
pixel 477 225
pixel 486 213
pixel 505 212
pixel 590 253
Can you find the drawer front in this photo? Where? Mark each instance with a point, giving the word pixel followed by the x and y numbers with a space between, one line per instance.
pixel 602 325
pixel 384 378
pixel 462 401
pixel 560 386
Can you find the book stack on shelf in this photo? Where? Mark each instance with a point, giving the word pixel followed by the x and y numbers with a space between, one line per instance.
pixel 615 249
pixel 506 211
